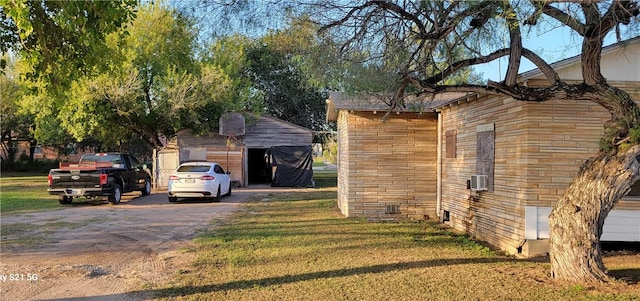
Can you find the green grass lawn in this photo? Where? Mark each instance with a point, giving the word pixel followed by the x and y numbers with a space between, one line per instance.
pixel 22 193
pixel 324 179
pixel 298 247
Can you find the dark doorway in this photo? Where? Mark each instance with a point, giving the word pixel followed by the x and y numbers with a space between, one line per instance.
pixel 259 166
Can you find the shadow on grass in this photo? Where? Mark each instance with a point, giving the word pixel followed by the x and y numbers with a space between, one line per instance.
pixel 630 276
pixel 271 281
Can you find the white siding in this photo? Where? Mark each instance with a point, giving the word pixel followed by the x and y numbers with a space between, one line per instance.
pixel 618 64
pixel 620 225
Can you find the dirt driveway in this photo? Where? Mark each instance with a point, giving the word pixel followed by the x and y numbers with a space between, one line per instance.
pixel 97 251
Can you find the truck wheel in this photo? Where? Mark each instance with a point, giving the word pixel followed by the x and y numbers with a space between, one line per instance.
pixel 173 199
pixel 65 200
pixel 147 187
pixel 114 198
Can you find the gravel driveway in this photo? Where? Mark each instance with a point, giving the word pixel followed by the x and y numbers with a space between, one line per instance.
pixel 97 251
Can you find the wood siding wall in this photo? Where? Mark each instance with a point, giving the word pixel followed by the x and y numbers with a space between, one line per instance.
pixel 538 150
pixel 343 162
pixel 266 132
pixel 387 163
pixel 213 148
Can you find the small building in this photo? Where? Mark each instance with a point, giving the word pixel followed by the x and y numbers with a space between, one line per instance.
pixel 421 163
pixel 386 160
pixel 259 156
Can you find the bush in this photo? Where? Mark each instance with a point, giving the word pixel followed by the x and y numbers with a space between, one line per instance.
pixel 36 166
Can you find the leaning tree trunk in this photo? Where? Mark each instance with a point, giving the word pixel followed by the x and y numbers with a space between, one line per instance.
pixel 576 221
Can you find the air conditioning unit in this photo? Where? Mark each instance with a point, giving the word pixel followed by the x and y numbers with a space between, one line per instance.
pixel 479 182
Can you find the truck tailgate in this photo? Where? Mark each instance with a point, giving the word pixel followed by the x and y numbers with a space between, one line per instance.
pixel 75 179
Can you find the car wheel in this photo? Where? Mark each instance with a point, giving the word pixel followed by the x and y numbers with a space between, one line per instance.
pixel 114 198
pixel 65 200
pixel 147 187
pixel 229 193
pixel 173 199
pixel 218 196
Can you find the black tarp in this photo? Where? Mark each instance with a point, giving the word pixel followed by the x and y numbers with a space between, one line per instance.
pixel 294 166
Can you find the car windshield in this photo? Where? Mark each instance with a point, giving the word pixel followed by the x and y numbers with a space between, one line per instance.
pixel 194 168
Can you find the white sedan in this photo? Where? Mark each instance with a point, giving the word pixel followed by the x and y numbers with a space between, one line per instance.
pixel 199 180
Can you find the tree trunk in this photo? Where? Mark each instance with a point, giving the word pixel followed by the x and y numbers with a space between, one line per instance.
pixel 576 221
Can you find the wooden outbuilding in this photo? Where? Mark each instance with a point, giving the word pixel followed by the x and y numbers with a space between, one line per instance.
pixel 488 165
pixel 248 156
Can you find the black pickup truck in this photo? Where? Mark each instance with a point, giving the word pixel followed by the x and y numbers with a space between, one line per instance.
pixel 99 175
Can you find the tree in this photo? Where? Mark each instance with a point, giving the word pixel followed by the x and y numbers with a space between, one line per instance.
pixel 274 68
pixel 229 55
pixel 9 115
pixel 55 43
pixel 60 40
pixel 147 70
pixel 429 29
pixel 151 85
pixel 277 55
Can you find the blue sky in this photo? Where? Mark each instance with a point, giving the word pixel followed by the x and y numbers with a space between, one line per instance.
pixel 553 45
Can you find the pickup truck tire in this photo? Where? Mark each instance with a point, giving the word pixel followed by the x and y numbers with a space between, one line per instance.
pixel 147 187
pixel 173 199
pixel 64 200
pixel 114 198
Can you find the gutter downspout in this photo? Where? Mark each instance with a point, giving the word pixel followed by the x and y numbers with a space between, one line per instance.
pixel 439 168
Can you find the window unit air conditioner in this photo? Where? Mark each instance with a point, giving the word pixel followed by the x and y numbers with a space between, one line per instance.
pixel 479 182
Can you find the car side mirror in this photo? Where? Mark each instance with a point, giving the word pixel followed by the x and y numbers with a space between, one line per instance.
pixel 228 172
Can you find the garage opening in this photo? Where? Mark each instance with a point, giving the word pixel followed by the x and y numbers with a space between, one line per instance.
pixel 259 161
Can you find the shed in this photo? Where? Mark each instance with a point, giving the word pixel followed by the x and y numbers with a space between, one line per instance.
pixel 528 152
pixel 271 151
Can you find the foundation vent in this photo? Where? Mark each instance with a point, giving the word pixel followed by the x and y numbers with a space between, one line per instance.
pixel 393 209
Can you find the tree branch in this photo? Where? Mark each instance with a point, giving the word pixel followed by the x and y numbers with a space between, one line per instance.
pixel 515 52
pixel 466 63
pixel 389 6
pixel 560 16
pixel 550 74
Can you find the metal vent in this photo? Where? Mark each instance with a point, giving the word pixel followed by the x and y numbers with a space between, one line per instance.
pixel 393 209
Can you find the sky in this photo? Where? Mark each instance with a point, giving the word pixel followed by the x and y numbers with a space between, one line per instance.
pixel 553 46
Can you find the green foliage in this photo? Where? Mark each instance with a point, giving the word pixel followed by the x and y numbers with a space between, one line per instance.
pixel 228 55
pixel 9 109
pixel 24 165
pixel 286 91
pixel 153 86
pixel 56 43
pixel 61 40
pixel 330 152
pixel 634 135
pixel 611 134
pixel 110 79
